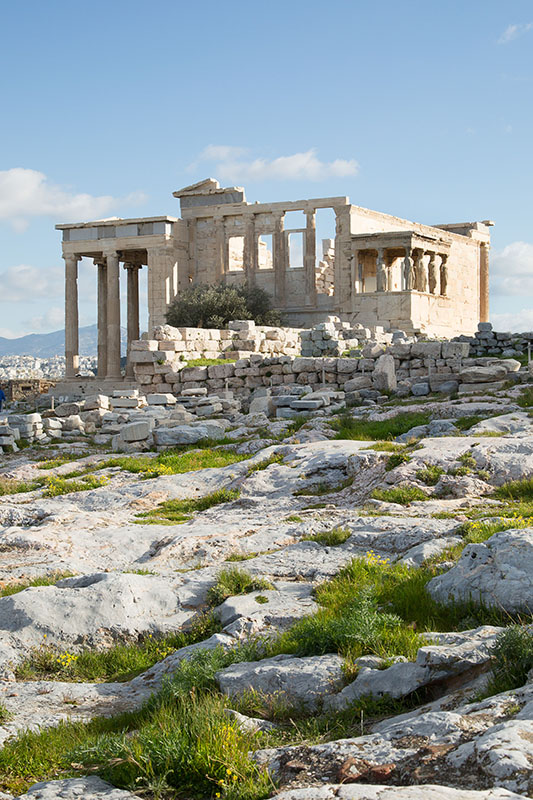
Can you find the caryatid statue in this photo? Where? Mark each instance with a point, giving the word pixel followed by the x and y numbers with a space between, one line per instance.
pixel 408 273
pixel 381 272
pixel 421 273
pixel 432 273
pixel 444 274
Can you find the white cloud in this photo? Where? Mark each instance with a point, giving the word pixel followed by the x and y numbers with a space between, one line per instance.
pixel 517 321
pixel 52 319
pixel 214 152
pixel 512 269
pixel 7 333
pixel 230 166
pixel 28 193
pixel 512 32
pixel 27 283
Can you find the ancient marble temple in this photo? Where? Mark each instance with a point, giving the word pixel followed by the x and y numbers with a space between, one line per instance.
pixel 375 268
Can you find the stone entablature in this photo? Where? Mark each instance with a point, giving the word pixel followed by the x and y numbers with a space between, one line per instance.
pixel 379 270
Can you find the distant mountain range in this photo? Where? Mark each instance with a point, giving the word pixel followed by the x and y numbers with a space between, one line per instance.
pixel 48 345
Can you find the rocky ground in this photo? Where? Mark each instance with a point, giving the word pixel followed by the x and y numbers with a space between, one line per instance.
pixel 354 611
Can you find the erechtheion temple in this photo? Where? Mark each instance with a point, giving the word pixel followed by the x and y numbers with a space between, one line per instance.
pixel 376 270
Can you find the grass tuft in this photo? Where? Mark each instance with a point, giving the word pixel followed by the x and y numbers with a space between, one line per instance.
pixel 429 474
pixel 349 427
pixel 45 580
pixel 403 495
pixel 512 659
pixel 122 662
pixel 234 581
pixel 517 491
pixel 57 486
pixel 331 538
pixel 176 512
pixel 275 458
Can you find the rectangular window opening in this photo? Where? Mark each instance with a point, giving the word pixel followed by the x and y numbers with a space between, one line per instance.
pixel 264 251
pixel 236 253
pixel 294 220
pixel 296 250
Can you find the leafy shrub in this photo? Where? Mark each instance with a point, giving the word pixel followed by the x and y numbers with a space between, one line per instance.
pixel 203 306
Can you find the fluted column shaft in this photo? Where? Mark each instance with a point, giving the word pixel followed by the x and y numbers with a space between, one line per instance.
pixel 310 259
pixel 133 310
pixel 72 358
pixel 113 316
pixel 102 318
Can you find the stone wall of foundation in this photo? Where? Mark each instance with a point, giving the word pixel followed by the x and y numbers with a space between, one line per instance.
pixel 402 367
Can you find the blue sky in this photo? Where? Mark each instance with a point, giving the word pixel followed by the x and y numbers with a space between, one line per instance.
pixel 419 109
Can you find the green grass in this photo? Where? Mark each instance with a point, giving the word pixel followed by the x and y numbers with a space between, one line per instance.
pixel 387 447
pixel 56 486
pixel 331 538
pixel 403 495
pixel 294 425
pixel 525 399
pixel 465 423
pixel 45 580
pixel 58 461
pixel 516 491
pixel 177 461
pixel 235 557
pixel 323 488
pixel 234 581
pixel 429 474
pixel 121 662
pixel 13 486
pixel 349 427
pixel 5 715
pixel 180 743
pixel 275 458
pixel 209 362
pixel 512 659
pixel 395 460
pixel 175 512
pixel 293 518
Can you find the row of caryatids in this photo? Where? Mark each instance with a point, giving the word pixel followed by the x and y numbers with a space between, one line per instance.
pixel 418 272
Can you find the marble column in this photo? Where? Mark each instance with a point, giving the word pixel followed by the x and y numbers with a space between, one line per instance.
pixel 133 310
pixel 310 258
pixel 220 244
pixel 381 271
pixel 484 282
pixel 113 316
pixel 250 250
pixel 102 318
pixel 72 357
pixel 280 261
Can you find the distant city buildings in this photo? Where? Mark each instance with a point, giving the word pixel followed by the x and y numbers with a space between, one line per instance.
pixel 16 367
